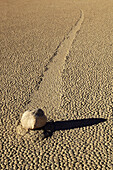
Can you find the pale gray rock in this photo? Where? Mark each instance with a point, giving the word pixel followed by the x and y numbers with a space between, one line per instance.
pixel 33 119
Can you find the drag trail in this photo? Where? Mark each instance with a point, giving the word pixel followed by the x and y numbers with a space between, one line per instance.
pixel 50 89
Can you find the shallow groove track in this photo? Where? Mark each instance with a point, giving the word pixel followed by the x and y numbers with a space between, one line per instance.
pixel 49 92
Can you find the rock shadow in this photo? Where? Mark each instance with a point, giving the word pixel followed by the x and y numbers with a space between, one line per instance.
pixel 52 126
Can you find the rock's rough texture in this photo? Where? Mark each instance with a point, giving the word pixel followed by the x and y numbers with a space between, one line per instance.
pixel 33 119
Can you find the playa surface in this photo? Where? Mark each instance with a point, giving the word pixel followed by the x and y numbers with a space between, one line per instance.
pixel 56 55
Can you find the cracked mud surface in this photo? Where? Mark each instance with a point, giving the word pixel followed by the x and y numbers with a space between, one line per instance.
pixel 32 36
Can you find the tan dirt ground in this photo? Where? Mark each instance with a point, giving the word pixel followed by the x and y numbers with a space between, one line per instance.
pixel 57 55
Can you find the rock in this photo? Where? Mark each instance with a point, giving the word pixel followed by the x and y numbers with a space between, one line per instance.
pixel 33 119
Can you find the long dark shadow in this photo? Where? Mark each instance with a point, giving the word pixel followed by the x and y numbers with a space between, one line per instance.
pixel 52 126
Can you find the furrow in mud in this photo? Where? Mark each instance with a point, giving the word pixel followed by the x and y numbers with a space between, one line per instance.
pixel 49 92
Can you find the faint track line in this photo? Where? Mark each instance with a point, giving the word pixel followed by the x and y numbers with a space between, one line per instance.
pixel 68 39
pixel 49 92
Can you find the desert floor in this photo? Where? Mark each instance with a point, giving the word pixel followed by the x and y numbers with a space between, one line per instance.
pixel 56 55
